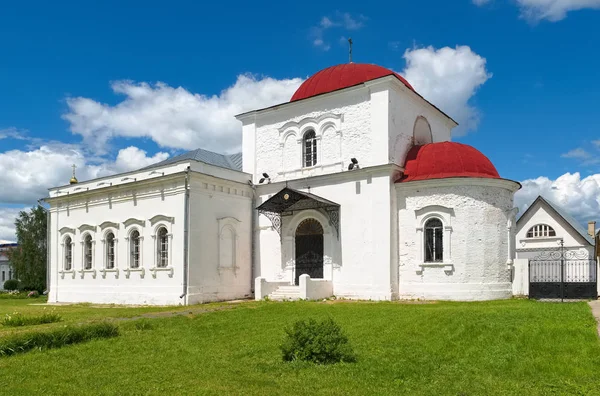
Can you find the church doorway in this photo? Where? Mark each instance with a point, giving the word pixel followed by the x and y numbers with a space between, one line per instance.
pixel 309 250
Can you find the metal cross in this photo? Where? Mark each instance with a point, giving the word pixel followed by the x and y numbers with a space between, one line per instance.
pixel 74 167
pixel 350 50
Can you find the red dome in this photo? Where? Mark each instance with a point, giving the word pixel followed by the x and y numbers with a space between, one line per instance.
pixel 445 160
pixel 342 76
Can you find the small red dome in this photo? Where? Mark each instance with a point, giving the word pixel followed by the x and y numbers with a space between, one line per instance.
pixel 445 160
pixel 342 76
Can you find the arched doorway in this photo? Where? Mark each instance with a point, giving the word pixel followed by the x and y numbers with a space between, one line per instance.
pixel 309 250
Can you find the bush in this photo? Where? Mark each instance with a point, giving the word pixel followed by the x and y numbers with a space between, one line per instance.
pixel 17 319
pixel 12 295
pixel 319 342
pixel 11 284
pixel 33 294
pixel 55 338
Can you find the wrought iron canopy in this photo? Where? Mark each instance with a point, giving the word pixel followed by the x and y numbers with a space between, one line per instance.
pixel 288 201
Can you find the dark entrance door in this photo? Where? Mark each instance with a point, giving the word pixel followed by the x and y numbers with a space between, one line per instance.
pixel 309 250
pixel 563 275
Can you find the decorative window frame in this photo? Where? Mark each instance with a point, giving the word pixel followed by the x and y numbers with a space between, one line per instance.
pixel 71 271
pixel 160 221
pixel 445 215
pixel 104 270
pixel 86 227
pixel 128 270
pixel 229 223
pixel 297 130
pixel 92 269
pixel 544 237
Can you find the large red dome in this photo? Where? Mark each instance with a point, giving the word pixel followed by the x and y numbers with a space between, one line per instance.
pixel 445 160
pixel 342 76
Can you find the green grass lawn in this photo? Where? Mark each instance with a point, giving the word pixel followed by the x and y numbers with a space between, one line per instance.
pixel 515 347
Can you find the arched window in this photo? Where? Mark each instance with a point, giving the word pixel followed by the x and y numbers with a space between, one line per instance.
pixel 68 265
pixel 134 249
pixel 541 231
pixel 310 148
pixel 110 250
pixel 434 244
pixel 87 252
pixel 162 245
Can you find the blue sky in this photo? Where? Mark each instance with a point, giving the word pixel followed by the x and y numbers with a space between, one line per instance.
pixel 71 74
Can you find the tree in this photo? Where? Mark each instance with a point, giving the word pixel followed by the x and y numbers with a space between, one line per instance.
pixel 28 260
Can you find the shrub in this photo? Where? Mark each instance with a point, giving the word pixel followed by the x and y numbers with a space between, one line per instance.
pixel 316 341
pixel 11 284
pixel 17 319
pixel 33 294
pixel 55 338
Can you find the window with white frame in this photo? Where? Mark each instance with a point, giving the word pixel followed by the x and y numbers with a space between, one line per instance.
pixel 87 252
pixel 309 148
pixel 434 241
pixel 68 250
pixel 134 249
pixel 3 276
pixel 110 250
pixel 541 231
pixel 162 245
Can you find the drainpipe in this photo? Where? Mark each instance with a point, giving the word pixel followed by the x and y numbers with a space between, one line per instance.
pixel 253 236
pixel 186 228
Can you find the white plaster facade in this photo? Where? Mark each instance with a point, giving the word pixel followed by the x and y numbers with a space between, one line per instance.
pixel 370 227
pixel 197 204
pixel 6 271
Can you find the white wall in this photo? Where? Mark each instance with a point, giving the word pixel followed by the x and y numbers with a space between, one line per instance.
pixel 373 123
pixel 404 110
pixel 358 263
pixel 161 196
pixel 220 239
pixel 475 215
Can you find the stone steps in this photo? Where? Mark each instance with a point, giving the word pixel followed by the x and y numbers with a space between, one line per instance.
pixel 285 293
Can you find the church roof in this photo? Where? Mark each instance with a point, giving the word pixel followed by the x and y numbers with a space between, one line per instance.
pixel 444 160
pixel 342 76
pixel 232 161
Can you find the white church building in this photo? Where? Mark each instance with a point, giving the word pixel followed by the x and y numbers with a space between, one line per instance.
pixel 351 189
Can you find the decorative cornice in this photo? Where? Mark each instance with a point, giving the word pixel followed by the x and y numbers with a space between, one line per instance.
pixel 108 224
pixel 66 230
pixel 159 217
pixel 132 221
pixel 87 227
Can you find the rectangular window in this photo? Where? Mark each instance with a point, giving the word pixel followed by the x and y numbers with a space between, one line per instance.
pixel 434 246
pixel 9 274
pixel 3 276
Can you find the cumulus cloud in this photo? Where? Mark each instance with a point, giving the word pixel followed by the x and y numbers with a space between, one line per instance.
pixel 30 173
pixel 12 133
pixel 449 78
pixel 7 223
pixel 579 197
pixel 175 117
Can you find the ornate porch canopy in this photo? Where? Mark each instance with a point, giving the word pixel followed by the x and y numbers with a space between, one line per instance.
pixel 289 201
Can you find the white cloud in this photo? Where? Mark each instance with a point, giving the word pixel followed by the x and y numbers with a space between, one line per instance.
pixel 341 20
pixel 30 173
pixel 579 197
pixel 578 153
pixel 553 10
pixel 7 224
pixel 12 133
pixel 481 2
pixel 176 117
pixel 449 78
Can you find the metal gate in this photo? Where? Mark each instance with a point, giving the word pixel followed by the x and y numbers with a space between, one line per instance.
pixel 563 274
